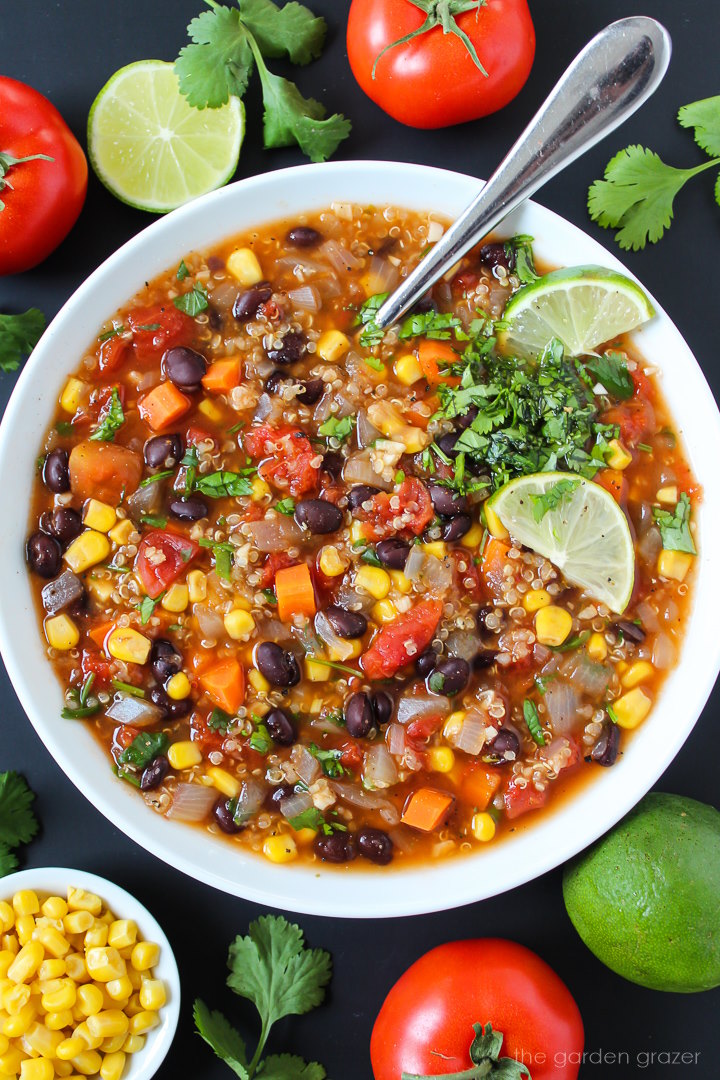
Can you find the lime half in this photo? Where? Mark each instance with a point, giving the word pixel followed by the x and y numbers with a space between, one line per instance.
pixel 583 306
pixel 575 524
pixel 151 149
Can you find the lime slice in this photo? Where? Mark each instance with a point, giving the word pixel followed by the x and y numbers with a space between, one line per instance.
pixel 151 149
pixel 575 524
pixel 583 306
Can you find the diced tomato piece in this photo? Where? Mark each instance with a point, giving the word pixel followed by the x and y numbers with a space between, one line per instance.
pixel 494 561
pixel 400 641
pixel 113 353
pixel 468 579
pixel 352 755
pixel 421 730
pixel 288 455
pixel 94 663
pixel 162 557
pixel 635 418
pixel 615 482
pixel 158 328
pixel 414 509
pixel 201 733
pixel 123 736
pixel 465 281
pixel 644 386
pixel 194 436
pixel 276 560
pixel 520 800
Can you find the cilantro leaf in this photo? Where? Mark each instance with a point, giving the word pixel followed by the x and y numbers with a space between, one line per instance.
pixel 182 271
pixel 222 1037
pixel 221 721
pixel 147 606
pixel 18 824
pixel 218 63
pixel 290 1067
pixel 8 862
pixel 272 967
pixel 611 371
pixel 337 429
pixel 217 485
pixel 704 117
pixel 532 719
pixel 429 324
pixel 309 819
pixel 193 302
pixel 19 334
pixel 260 740
pixel 543 504
pixel 291 31
pixel 372 334
pixel 521 247
pixel 285 506
pixel 223 554
pixel 112 421
pixel 144 748
pixel 329 759
pixel 675 527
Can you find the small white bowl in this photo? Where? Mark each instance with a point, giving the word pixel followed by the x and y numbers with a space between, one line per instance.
pixel 54 881
pixel 356 891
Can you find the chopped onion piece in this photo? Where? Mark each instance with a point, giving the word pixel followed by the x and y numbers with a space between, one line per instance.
pixel 357 796
pixel 366 432
pixel 211 624
pixel 562 703
pixel 379 768
pixel 192 802
pixel 471 737
pixel 296 804
pixel 464 644
pixel 395 736
pixel 422 705
pixel 383 273
pixel 415 563
pixel 251 797
pixel 135 711
pixel 586 675
pixel 341 260
pixel 146 500
pixel 273 534
pixel 359 470
pixel 307 298
pixel 306 766
pixel 341 647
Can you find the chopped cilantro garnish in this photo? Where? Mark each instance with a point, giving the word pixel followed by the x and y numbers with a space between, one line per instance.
pixel 675 527
pixel 157 521
pixel 269 596
pixel 312 818
pixel 260 740
pixel 611 713
pixel 399 476
pixel 285 506
pixel 431 324
pixel 115 332
pixel 337 429
pixel 155 477
pixel 644 447
pixel 611 371
pixel 126 687
pixel 147 606
pixel 572 643
pixel 374 363
pixel 371 334
pixel 221 721
pixel 521 247
pixel 64 428
pixel 112 421
pixel 532 719
pixel 223 555
pixel 18 824
pixel 182 271
pixel 542 504
pixel 218 485
pixel 193 302
pixel 369 556
pixel 329 760
pixel 236 427
pixel 144 748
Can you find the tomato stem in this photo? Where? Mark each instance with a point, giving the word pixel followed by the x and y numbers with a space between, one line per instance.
pixel 477 1072
pixel 441 13
pixel 7 161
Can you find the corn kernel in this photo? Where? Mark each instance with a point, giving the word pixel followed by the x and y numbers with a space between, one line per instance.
pixel 280 849
pixel 73 395
pixel 61 632
pixel 552 625
pixel 331 562
pixel 145 955
pixel 63 998
pixel 40 1040
pixel 674 564
pixel 438 548
pixel 239 624
pixel 332 346
pixel 453 724
pixel 101 589
pixel 122 932
pixel 75 967
pixel 89 549
pixel 638 672
pixel 133 1044
pixel 49 969
pixel 184 754
pixel 619 457
pixel 143 1022
pixel 97 935
pixel 632 708
pixel 105 963
pixel 407 369
pixel 6 959
pixel 16 1026
pixel 483 826
pixel 153 994
pixel 374 580
pixel 473 537
pixel 414 439
pixel 78 922
pixel 667 495
pixel 70 1048
pixel 225 782
pixel 10 943
pixel 316 671
pixel 536 599
pixel 258 681
pixel 58 1021
pixel 350 650
pixel 80 900
pixel 10 1062
pixel 401 581
pixel 244 266
pixel 99 516
pixel 25 902
pixel 113 1066
pixel 384 611
pixel 178 686
pixel 104 1025
pixel 15 997
pixel 92 1042
pixel 52 941
pixel 597 647
pixel 24 927
pixel 440 759
pixel 129 645
pixel 119 989
pixel 303 837
pixel 113 1044
pixel 26 963
pixel 7 916
pixel 260 490
pixel 133 1006
pixel 54 907
pixel 357 534
pixel 88 1062
pixel 36 1069
pixel 120 533
pixel 89 999
pixel 176 598
pixel 211 411
pixel 494 525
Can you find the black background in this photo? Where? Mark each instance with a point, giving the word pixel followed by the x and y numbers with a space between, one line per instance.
pixel 67 51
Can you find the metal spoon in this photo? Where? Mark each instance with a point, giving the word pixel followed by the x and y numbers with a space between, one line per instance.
pixel 605 84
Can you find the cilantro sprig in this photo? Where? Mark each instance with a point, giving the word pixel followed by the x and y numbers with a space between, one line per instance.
pixel 531 717
pixel 112 420
pixel 273 968
pixel 19 334
pixel 675 526
pixel 194 301
pixel 18 824
pixel 334 428
pixel 228 43
pixel 636 196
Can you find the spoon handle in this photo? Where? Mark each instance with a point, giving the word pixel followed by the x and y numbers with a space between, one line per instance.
pixel 605 84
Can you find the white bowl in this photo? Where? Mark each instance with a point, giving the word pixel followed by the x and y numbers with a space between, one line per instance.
pixel 54 881
pixel 355 891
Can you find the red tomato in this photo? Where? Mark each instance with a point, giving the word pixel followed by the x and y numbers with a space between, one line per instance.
pixel 399 642
pixel 94 663
pixel 201 732
pixel 352 755
pixel 425 1026
pixel 290 456
pixel 112 354
pixel 43 199
pixel 162 557
pixel 415 508
pixel 432 80
pixel 158 328
pixel 519 800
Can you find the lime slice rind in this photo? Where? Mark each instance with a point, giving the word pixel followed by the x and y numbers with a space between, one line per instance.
pixel 151 149
pixel 582 306
pixel 586 536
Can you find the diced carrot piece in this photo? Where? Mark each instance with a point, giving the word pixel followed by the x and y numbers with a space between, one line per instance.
pixel 431 356
pixel 613 481
pixel 99 633
pixel 222 376
pixel 163 405
pixel 225 685
pixel 494 560
pixel 420 413
pixel 479 784
pixel 295 592
pixel 427 808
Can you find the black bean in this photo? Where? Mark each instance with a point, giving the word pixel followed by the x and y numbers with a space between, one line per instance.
pixel 247 303
pixel 346 624
pixel 303 236
pixel 375 845
pixel 630 631
pixel 318 516
pixel 63 523
pixel 280 668
pixel 605 750
pixel 494 255
pixel 393 553
pixel 163 451
pixel 450 676
pixel 481 616
pixel 333 463
pixel 463 422
pixel 216 319
pixel 215 263
pixel 44 554
pixel 275 380
pixel 455 529
pixel 184 367
pixel 312 391
pixel 447 444
pixel 56 473
pixel 192 508
pixel 446 501
pixel 359 715
pixel 174 710
pixel 425 303
pixel 223 815
pixel 154 774
pixel 360 494
pixel 382 705
pixel 291 349
pixel 276 795
pixel 280 726
pixel 504 742
pixel 484 659
pixel 426 662
pixel 165 660
pixel 339 847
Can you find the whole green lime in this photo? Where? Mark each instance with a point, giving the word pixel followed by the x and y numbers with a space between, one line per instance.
pixel 646 898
